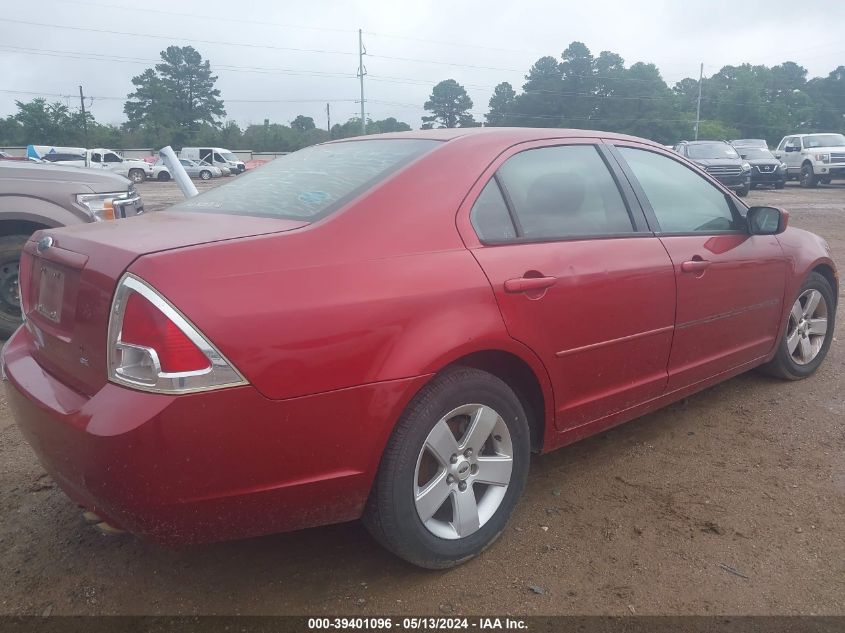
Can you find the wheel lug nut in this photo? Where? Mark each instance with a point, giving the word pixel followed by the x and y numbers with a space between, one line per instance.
pixel 462 486
pixel 454 459
pixel 450 479
pixel 468 452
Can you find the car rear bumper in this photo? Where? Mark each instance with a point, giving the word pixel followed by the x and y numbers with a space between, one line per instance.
pixel 208 466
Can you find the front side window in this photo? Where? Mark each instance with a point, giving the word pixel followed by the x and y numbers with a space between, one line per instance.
pixel 564 191
pixel 311 183
pixel 683 201
pixel 112 158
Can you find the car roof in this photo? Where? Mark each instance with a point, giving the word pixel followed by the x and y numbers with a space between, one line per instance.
pixel 507 135
pixel 703 142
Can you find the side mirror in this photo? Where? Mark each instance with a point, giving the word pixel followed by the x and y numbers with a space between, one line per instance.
pixel 767 220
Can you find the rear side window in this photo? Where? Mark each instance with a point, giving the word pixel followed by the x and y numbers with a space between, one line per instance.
pixel 564 191
pixel 311 183
pixel 490 216
pixel 683 201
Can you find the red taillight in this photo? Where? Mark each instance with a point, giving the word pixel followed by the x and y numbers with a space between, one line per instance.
pixel 153 346
pixel 146 326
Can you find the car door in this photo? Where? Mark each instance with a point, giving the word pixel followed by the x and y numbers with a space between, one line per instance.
pixel 730 284
pixel 578 277
pixel 792 155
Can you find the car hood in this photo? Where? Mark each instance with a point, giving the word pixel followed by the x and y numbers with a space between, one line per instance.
pixel 839 149
pixel 763 161
pixel 96 179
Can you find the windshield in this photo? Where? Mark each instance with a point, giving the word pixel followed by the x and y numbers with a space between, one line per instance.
pixel 229 156
pixel 711 150
pixel 755 153
pixel 311 183
pixel 824 140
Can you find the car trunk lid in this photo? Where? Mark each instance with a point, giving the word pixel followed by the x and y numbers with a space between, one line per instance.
pixel 68 277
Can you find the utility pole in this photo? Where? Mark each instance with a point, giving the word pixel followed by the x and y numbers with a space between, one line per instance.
pixel 84 118
pixel 698 110
pixel 361 72
pixel 329 119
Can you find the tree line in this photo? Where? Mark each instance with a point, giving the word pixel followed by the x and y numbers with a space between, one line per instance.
pixel 177 103
pixel 581 90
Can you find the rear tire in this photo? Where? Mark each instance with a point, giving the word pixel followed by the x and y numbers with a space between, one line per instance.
pixel 808 177
pixel 430 504
pixel 10 307
pixel 137 175
pixel 803 346
pixel 205 175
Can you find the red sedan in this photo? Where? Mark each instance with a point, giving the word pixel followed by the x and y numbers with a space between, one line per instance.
pixel 387 327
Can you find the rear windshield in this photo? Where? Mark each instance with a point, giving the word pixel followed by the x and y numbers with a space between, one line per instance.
pixel 311 183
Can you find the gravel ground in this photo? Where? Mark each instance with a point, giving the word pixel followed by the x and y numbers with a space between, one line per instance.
pixel 729 502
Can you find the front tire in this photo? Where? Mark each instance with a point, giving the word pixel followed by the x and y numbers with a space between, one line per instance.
pixel 205 175
pixel 808 177
pixel 743 191
pixel 808 333
pixel 163 176
pixel 137 175
pixel 452 471
pixel 780 185
pixel 10 303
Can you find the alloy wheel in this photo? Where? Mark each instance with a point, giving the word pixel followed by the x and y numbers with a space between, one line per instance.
pixel 463 471
pixel 807 327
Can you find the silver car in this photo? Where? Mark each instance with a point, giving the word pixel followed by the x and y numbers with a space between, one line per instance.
pixel 200 169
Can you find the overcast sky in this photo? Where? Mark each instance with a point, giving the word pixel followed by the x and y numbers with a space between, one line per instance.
pixel 252 46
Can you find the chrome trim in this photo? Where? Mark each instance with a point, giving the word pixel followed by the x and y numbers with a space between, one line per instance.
pixel 44 243
pixel 222 370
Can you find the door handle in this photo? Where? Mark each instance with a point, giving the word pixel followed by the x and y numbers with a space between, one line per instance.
pixel 695 266
pixel 524 284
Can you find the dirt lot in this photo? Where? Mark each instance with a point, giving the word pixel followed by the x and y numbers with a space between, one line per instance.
pixel 730 502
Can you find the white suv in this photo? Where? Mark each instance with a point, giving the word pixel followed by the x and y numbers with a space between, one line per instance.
pixel 813 158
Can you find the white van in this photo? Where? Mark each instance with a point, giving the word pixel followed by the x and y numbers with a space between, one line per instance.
pixel 217 156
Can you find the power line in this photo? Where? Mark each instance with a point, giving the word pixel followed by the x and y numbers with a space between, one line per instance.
pixel 227 18
pixel 137 60
pixel 175 38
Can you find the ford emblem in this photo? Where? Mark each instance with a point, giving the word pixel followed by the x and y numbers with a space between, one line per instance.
pixel 44 243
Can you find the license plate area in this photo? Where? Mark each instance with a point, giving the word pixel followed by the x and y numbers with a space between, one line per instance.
pixel 51 290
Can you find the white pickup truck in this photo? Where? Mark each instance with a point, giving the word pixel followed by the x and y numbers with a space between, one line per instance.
pixel 813 158
pixel 135 170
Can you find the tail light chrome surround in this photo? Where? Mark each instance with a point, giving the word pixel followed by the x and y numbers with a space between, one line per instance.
pixel 219 374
